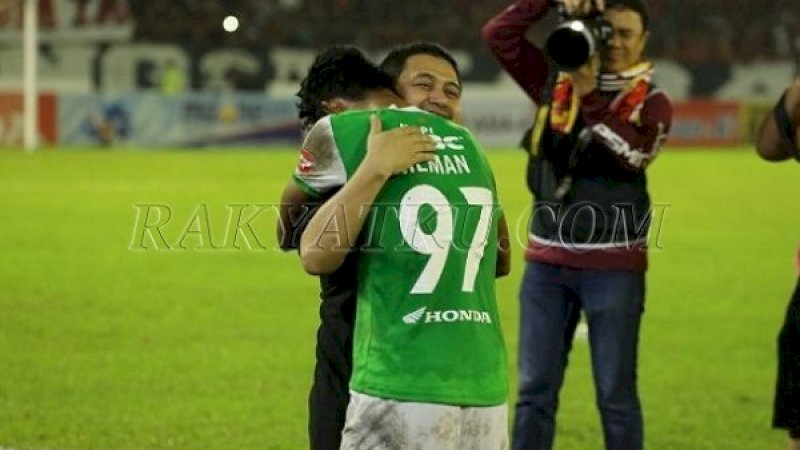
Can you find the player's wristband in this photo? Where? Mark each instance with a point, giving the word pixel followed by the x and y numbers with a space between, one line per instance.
pixel 785 128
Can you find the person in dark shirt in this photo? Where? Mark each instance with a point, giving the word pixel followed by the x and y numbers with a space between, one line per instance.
pixel 778 140
pixel 597 129
pixel 425 75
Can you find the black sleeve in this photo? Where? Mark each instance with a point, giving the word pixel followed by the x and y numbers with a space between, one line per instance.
pixel 299 218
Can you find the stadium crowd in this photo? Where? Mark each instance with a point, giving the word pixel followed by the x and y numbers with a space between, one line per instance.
pixel 705 37
pixel 721 30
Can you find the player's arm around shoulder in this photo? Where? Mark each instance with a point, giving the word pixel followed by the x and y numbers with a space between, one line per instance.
pixel 333 231
pixel 778 136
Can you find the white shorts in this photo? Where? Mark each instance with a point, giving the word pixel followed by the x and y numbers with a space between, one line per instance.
pixel 374 423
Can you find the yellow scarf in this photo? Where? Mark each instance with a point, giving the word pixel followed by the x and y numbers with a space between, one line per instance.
pixel 632 84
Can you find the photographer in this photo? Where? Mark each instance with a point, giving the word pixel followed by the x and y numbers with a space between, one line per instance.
pixel 778 140
pixel 597 129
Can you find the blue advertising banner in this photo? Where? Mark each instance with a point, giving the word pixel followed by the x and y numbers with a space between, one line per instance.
pixel 190 120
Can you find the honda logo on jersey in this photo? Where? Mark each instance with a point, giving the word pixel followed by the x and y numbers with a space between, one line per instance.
pixel 447 316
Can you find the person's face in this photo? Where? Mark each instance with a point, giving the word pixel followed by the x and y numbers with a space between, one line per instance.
pixel 627 42
pixel 431 84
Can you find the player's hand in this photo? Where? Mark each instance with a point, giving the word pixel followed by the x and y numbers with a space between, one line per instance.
pixel 581 7
pixel 393 151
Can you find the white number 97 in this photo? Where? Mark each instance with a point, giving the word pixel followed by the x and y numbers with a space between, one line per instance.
pixel 438 242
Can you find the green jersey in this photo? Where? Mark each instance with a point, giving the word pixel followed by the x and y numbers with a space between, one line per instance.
pixel 427 327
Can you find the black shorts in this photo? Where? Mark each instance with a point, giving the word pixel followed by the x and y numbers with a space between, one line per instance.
pixel 786 412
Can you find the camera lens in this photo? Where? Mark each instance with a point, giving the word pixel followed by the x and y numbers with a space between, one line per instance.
pixel 570 45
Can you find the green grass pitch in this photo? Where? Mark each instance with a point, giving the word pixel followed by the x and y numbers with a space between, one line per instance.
pixel 108 343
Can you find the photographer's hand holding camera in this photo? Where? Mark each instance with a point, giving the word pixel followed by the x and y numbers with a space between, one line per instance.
pixel 600 122
pixel 584 78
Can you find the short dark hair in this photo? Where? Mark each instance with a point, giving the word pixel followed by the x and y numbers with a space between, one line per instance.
pixel 395 61
pixel 339 71
pixel 637 6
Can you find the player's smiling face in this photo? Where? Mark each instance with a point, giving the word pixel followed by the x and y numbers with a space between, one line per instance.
pixel 431 83
pixel 626 46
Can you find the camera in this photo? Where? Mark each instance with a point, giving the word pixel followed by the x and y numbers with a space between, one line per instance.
pixel 575 39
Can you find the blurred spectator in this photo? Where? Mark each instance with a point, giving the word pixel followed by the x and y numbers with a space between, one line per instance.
pixel 173 78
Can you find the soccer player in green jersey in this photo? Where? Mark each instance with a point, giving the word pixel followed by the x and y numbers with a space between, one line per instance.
pixel 429 357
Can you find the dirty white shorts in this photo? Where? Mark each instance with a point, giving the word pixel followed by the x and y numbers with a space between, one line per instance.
pixel 374 423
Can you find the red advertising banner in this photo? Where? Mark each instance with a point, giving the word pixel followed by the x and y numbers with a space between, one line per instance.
pixel 12 124
pixel 705 123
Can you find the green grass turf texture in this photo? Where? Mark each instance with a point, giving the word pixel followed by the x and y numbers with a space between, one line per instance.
pixel 107 347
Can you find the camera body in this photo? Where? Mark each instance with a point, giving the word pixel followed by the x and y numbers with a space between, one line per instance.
pixel 576 39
